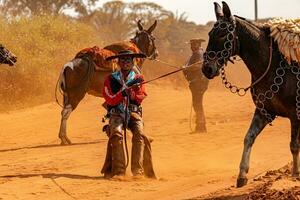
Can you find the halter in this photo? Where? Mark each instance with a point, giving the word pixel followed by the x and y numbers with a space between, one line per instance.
pixel 5 55
pixel 151 39
pixel 231 45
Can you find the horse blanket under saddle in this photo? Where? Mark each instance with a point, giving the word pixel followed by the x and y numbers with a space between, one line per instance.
pixel 286 32
pixel 99 55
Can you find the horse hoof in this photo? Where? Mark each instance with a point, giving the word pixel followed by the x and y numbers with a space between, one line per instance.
pixel 241 182
pixel 65 142
pixel 69 141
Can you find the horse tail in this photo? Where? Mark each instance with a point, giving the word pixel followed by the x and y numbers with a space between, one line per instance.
pixel 61 83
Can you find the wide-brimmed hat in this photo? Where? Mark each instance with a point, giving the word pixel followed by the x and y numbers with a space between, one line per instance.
pixel 126 53
pixel 196 41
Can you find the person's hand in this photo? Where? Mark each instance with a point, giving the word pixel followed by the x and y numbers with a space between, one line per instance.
pixel 136 81
pixel 135 87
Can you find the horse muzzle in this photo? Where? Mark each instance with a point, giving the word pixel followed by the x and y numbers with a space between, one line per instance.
pixel 210 70
pixel 12 60
pixel 153 56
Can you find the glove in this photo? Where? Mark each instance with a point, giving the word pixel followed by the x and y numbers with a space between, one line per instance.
pixel 136 81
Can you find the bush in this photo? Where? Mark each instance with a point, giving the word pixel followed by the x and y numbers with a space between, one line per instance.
pixel 42 44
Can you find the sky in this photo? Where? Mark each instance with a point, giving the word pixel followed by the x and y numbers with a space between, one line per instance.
pixel 202 11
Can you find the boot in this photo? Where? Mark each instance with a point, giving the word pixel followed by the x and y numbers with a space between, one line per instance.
pixel 106 169
pixel 147 162
pixel 118 156
pixel 137 155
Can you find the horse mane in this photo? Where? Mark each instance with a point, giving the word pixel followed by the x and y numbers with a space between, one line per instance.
pixel 255 31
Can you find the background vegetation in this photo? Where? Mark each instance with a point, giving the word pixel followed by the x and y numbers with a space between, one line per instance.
pixel 44 37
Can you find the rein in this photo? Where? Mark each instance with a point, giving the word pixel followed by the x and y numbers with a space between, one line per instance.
pixel 163 62
pixel 268 68
pixel 243 91
pixel 167 74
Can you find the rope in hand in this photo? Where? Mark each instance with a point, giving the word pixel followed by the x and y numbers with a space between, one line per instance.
pixel 167 74
pixel 142 83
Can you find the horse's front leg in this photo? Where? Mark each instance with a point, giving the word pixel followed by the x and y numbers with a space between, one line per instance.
pixel 257 125
pixel 294 146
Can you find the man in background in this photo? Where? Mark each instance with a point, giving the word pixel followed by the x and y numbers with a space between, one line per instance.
pixel 198 83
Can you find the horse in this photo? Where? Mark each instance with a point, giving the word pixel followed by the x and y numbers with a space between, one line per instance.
pixel 79 76
pixel 6 56
pixel 275 84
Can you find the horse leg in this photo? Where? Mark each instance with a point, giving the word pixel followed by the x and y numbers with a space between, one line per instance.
pixel 257 125
pixel 65 114
pixel 294 147
pixel 72 78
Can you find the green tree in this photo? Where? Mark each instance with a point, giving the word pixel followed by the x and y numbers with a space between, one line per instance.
pixel 111 21
pixel 116 20
pixel 36 7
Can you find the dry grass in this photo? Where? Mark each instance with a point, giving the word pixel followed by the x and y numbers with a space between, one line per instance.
pixel 43 44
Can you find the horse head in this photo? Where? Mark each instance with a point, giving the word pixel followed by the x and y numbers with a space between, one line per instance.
pixel 222 42
pixel 145 41
pixel 7 57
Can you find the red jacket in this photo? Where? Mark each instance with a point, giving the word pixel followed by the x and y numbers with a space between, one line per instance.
pixel 112 89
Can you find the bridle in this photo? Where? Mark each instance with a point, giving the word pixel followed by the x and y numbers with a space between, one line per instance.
pixel 5 55
pixel 150 38
pixel 231 48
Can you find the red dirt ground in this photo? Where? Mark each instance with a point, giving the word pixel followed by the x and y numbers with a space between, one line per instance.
pixel 189 166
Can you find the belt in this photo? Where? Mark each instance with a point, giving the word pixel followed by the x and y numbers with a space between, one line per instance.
pixel 135 108
pixel 115 111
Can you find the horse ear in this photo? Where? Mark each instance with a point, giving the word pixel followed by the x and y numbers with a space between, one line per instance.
pixel 226 10
pixel 140 25
pixel 152 27
pixel 218 11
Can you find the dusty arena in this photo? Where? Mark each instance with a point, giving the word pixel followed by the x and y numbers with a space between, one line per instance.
pixel 37 159
pixel 188 166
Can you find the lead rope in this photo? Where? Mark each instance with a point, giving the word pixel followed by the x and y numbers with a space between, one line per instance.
pixel 191 117
pixel 125 132
pixel 125 123
pixel 191 110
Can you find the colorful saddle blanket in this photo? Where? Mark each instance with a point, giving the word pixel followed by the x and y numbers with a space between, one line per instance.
pixel 99 55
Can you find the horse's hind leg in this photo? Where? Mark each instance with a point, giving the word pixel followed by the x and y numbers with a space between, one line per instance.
pixel 294 146
pixel 65 114
pixel 257 125
pixel 72 78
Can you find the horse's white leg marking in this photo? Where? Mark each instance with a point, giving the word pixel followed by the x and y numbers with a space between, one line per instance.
pixel 65 114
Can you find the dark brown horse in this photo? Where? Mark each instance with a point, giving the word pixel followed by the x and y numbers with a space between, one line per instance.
pixel 7 57
pixel 275 86
pixel 79 76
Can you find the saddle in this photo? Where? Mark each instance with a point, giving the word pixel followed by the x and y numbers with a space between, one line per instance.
pixel 286 32
pixel 99 55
